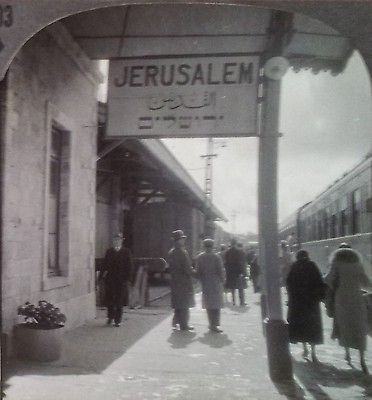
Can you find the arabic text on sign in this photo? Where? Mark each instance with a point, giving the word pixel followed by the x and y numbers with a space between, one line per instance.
pixel 228 73
pixel 173 101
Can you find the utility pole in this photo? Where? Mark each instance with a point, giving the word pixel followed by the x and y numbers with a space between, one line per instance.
pixel 208 184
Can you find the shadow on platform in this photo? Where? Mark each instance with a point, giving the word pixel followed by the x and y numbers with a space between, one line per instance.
pixel 316 377
pixel 215 340
pixel 181 339
pixel 237 308
pixel 291 389
pixel 91 348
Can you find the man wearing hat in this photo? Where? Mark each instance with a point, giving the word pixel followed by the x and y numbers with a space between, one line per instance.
pixel 235 271
pixel 211 272
pixel 182 291
pixel 117 272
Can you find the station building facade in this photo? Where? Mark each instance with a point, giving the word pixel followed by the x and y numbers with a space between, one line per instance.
pixel 60 205
pixel 49 131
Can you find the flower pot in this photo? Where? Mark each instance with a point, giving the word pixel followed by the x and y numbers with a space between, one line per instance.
pixel 36 344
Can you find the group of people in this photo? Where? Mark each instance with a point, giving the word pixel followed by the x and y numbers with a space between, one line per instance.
pixel 341 292
pixel 217 272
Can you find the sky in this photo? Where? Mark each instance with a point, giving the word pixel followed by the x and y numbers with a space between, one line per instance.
pixel 326 122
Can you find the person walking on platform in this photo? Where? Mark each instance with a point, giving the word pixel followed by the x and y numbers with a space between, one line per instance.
pixel 182 291
pixel 211 272
pixel 222 254
pixel 305 289
pixel 345 279
pixel 285 261
pixel 254 273
pixel 117 273
pixel 236 271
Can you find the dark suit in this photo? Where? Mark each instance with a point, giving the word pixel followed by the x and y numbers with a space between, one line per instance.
pixel 117 272
pixel 235 270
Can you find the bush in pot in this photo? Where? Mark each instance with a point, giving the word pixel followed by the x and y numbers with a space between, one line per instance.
pixel 39 338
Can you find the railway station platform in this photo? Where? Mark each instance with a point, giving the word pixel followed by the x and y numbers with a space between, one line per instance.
pixel 145 360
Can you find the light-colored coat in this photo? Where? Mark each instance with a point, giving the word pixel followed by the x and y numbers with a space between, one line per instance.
pixel 351 324
pixel 182 291
pixel 211 272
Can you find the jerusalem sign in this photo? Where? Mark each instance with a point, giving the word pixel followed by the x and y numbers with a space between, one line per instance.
pixel 183 97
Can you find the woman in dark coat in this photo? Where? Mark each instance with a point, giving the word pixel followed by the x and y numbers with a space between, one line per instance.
pixel 305 289
pixel 117 273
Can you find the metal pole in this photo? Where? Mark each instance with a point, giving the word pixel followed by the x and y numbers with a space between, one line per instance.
pixel 280 364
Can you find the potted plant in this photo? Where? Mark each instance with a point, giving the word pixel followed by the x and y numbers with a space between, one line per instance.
pixel 39 337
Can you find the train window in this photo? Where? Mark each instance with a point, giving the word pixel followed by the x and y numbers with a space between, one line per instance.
pixel 320 229
pixel 356 208
pixel 333 220
pixel 369 205
pixel 343 217
pixel 308 229
pixel 333 226
pixel 326 222
pixel 314 227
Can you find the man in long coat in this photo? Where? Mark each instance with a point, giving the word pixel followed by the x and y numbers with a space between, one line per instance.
pixel 236 271
pixel 211 272
pixel 117 272
pixel 182 291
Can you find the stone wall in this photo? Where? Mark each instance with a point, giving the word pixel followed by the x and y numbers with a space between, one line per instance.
pixel 50 79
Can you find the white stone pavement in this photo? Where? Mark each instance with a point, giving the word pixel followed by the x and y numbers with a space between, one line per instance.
pixel 144 359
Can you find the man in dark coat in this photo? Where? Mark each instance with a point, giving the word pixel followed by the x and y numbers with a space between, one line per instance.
pixel 305 289
pixel 236 271
pixel 255 273
pixel 117 272
pixel 182 291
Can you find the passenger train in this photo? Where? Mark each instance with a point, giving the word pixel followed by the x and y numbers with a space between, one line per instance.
pixel 341 213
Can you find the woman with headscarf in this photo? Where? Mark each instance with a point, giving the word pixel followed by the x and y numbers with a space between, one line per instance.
pixel 346 278
pixel 305 289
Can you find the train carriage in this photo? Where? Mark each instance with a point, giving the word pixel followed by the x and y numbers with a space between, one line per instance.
pixel 342 213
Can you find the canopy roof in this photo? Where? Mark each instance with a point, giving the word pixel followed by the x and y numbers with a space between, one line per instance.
pixel 172 29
